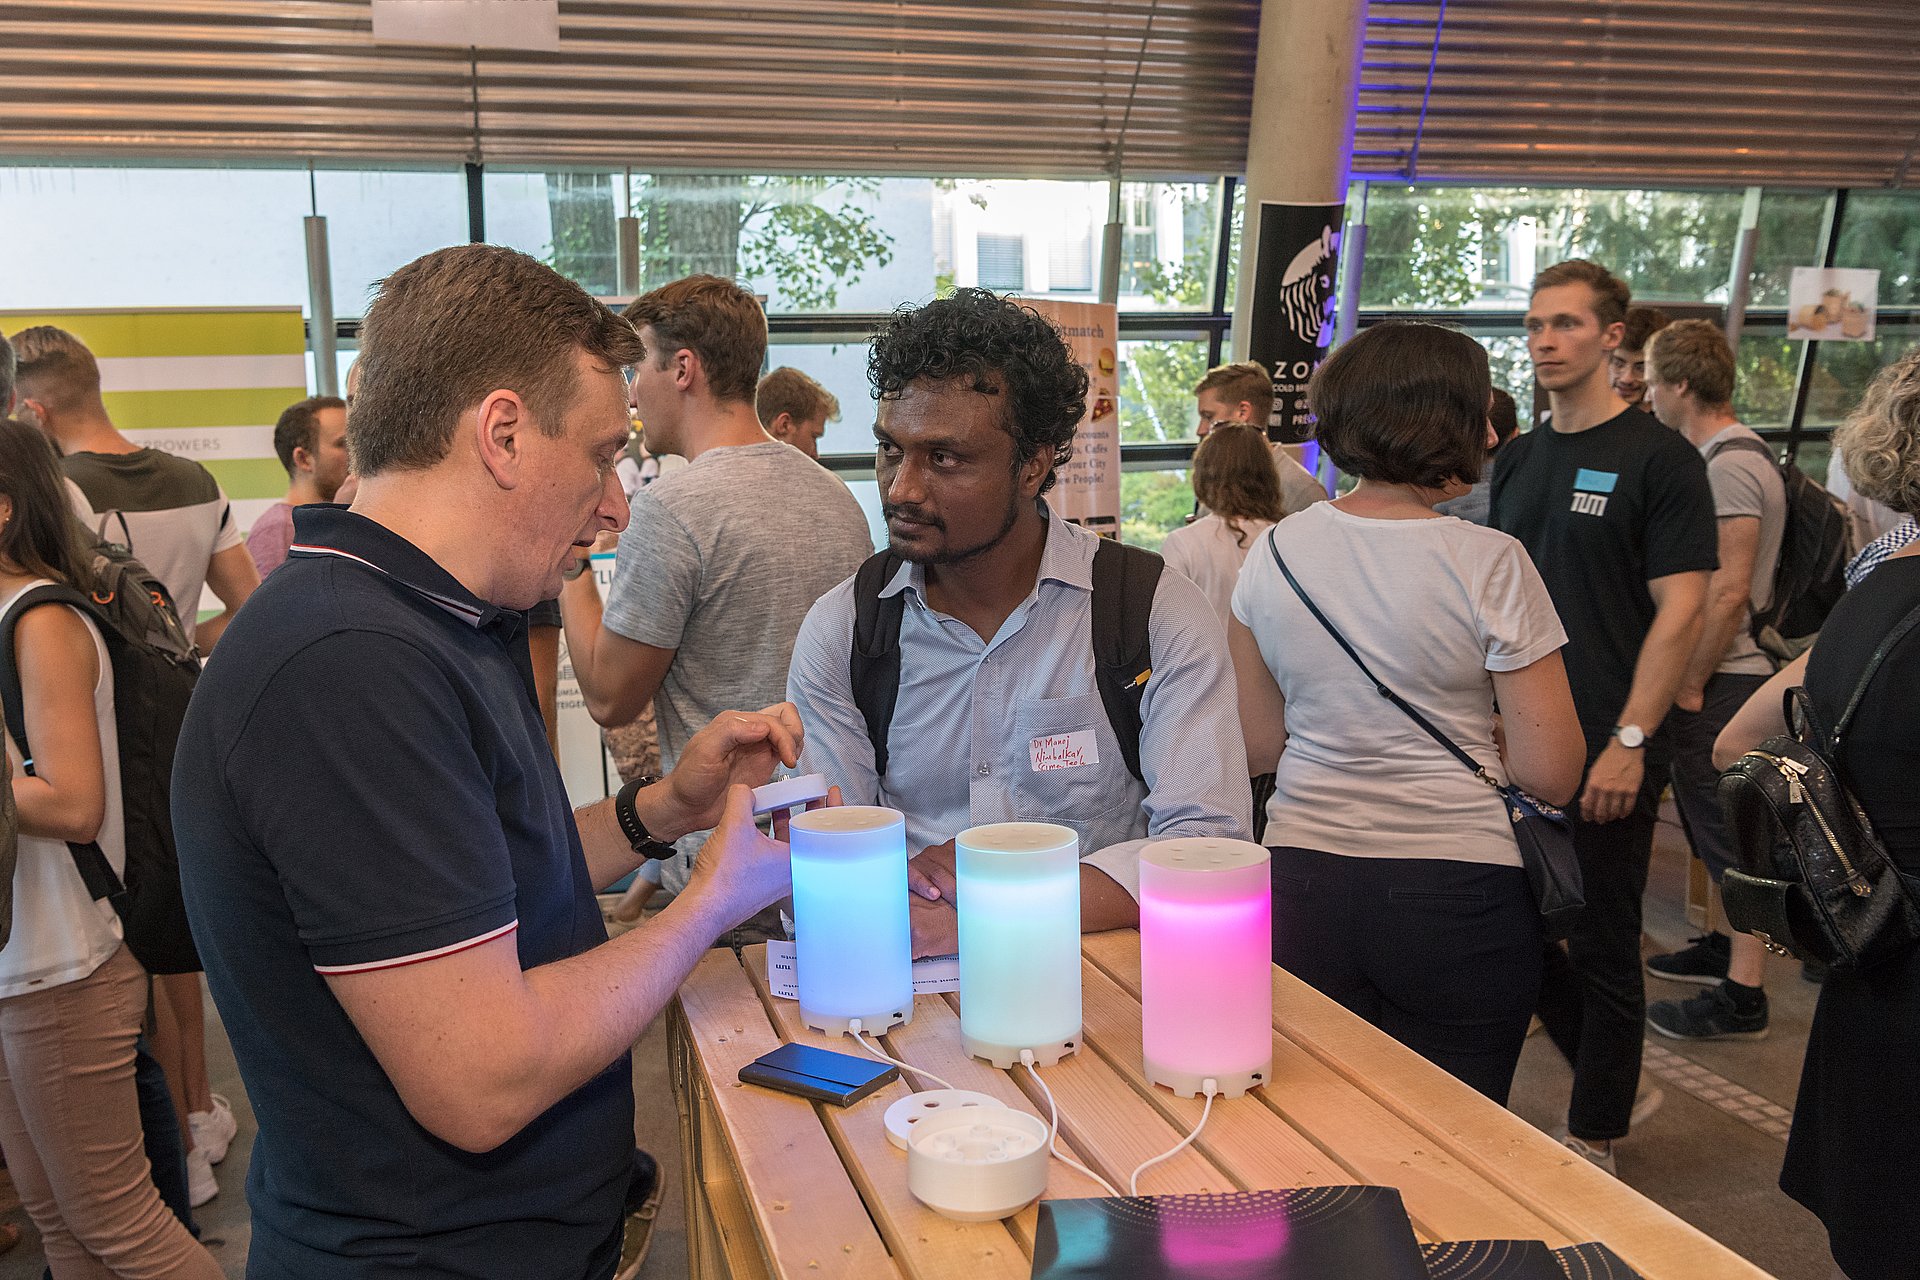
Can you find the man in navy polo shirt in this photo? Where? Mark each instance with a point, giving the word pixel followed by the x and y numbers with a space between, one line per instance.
pixel 395 905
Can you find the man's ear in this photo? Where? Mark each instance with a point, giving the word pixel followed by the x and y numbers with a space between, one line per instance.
pixel 499 427
pixel 781 428
pixel 1613 335
pixel 1033 472
pixel 686 369
pixel 302 459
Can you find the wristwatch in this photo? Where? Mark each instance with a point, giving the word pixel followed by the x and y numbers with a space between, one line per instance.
pixel 641 840
pixel 1630 735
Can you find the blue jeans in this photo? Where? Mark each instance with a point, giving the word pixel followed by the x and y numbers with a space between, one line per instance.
pixel 160 1126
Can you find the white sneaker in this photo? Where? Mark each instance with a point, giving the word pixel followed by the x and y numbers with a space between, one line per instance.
pixel 213 1131
pixel 201 1186
pixel 1592 1154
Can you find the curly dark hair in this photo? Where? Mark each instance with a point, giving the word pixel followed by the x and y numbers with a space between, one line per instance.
pixel 997 344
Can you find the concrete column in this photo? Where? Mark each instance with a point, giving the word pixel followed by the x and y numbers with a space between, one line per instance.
pixel 1306 84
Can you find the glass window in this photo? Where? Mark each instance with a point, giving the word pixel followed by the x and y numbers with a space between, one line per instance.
pixel 1441 246
pixel 1786 236
pixel 1842 370
pixel 1882 230
pixel 1152 505
pixel 805 244
pixel 380 220
pixel 1168 238
pixel 840 367
pixel 1157 378
pixel 1763 385
pixel 128 237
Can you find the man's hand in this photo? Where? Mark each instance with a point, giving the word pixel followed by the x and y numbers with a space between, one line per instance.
pixel 936 927
pixel 738 748
pixel 1613 784
pixel 742 869
pixel 930 876
pixel 1690 697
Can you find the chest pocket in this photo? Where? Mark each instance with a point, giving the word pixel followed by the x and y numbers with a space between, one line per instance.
pixel 1087 778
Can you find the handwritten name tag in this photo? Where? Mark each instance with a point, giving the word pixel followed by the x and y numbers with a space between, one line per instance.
pixel 1064 750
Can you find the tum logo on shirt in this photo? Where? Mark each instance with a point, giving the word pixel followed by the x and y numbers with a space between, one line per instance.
pixel 1591 489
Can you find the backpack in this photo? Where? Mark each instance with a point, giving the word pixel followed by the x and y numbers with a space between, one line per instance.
pixel 1124 579
pixel 1811 575
pixel 1814 879
pixel 155 668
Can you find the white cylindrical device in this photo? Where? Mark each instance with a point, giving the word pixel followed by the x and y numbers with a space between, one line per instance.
pixel 1206 965
pixel 853 951
pixel 977 1165
pixel 1019 891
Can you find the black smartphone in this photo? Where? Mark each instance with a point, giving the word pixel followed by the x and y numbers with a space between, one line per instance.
pixel 819 1074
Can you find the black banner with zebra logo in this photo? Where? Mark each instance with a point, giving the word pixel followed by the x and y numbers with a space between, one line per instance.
pixel 1291 325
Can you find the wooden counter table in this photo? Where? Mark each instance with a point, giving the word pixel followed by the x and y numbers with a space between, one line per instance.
pixel 779 1186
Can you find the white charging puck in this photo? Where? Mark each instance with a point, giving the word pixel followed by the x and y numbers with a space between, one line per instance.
pixel 903 1115
pixel 789 793
pixel 977 1164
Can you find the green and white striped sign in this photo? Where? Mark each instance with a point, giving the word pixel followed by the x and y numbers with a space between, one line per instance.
pixel 203 383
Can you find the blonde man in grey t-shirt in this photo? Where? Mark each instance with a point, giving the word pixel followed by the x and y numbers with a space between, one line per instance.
pixel 1690 375
pixel 723 557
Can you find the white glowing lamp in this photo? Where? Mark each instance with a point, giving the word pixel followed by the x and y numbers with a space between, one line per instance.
pixel 1206 968
pixel 1019 890
pixel 853 952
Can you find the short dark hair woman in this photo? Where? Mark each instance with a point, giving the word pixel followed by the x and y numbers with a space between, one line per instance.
pixel 1398 888
pixel 72 997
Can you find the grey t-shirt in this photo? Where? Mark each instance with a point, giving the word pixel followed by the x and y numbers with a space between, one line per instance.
pixel 1747 484
pixel 720 563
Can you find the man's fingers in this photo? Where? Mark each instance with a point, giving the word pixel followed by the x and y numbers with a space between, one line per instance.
pixel 919 883
pixel 785 732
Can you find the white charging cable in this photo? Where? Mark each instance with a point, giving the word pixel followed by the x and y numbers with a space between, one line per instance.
pixel 860 1036
pixel 1210 1087
pixel 1053 1126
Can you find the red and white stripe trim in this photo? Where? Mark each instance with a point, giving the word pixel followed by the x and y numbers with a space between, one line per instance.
pixel 399 962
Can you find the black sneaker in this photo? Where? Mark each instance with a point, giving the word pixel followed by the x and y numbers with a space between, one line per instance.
pixel 1704 962
pixel 1711 1015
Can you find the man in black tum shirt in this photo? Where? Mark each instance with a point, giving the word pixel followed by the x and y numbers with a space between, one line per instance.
pixel 1616 511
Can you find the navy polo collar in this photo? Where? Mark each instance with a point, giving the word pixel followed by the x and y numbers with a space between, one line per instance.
pixel 323 530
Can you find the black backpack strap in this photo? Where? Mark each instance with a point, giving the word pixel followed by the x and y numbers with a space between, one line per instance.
pixel 1124 580
pixel 1474 766
pixel 88 859
pixel 874 664
pixel 16 715
pixel 1894 637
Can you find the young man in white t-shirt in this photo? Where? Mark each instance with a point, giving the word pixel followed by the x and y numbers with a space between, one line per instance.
pixel 1690 376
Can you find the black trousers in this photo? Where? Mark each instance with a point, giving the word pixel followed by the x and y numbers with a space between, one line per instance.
pixel 1443 956
pixel 1593 997
pixel 1695 780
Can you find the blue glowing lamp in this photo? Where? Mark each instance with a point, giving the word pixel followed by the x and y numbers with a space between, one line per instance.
pixel 853 951
pixel 1019 891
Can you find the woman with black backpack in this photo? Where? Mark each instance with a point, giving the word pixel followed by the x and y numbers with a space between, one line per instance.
pixel 72 997
pixel 1851 1157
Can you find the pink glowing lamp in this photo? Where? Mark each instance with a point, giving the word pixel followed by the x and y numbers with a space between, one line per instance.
pixel 1206 969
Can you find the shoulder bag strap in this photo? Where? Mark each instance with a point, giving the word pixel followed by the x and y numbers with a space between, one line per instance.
pixel 1894 637
pixel 1474 766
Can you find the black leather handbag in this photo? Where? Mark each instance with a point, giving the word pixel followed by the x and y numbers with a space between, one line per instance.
pixel 1815 880
pixel 1543 832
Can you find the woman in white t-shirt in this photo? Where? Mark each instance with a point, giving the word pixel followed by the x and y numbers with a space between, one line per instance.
pixel 1234 479
pixel 1398 888
pixel 72 997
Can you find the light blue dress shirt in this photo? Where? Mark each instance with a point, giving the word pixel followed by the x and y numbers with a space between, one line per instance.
pixel 975 717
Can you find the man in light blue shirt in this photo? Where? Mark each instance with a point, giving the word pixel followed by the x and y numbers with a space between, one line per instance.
pixel 999 716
